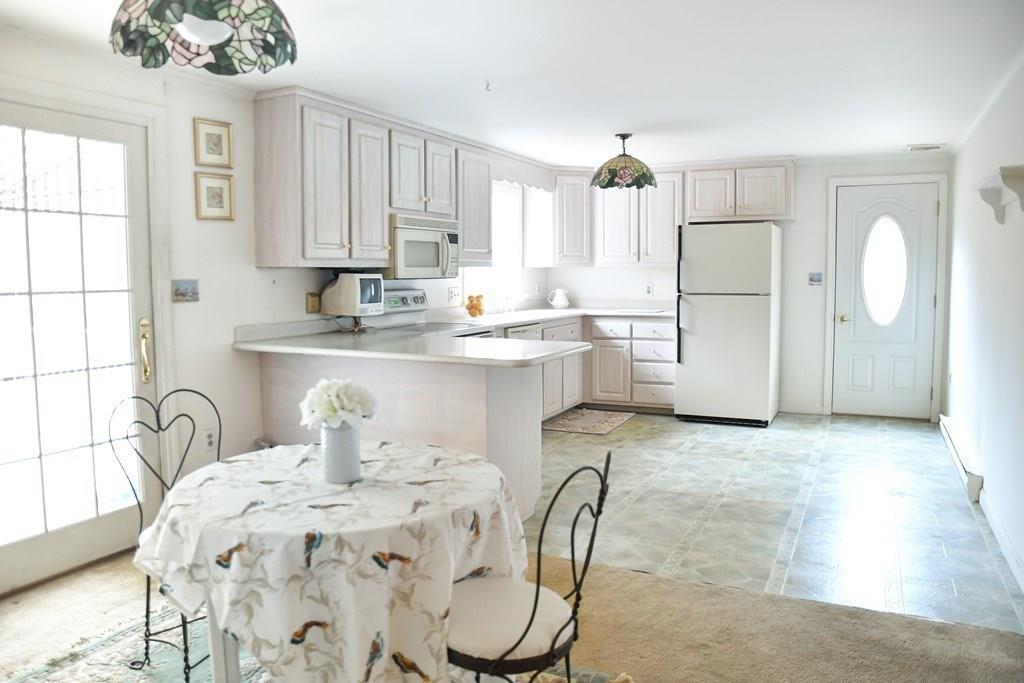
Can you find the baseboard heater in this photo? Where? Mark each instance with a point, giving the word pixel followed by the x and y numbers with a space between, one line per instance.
pixel 972 482
pixel 739 422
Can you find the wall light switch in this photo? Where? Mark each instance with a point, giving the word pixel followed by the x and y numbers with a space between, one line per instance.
pixel 312 302
pixel 454 296
pixel 649 289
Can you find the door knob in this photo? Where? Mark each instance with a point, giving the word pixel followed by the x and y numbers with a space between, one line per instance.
pixel 843 319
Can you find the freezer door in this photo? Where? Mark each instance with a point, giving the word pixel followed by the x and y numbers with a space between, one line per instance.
pixel 734 258
pixel 724 356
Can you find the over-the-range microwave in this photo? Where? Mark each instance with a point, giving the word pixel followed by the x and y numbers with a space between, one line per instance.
pixel 423 248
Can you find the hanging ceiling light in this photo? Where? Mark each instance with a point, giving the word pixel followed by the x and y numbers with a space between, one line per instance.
pixel 623 170
pixel 225 37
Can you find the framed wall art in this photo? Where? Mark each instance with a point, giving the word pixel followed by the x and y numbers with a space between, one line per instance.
pixel 215 197
pixel 213 143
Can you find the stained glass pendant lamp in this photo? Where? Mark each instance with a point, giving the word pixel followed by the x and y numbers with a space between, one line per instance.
pixel 623 170
pixel 225 37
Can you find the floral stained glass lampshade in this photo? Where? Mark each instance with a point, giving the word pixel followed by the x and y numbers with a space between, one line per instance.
pixel 225 37
pixel 623 171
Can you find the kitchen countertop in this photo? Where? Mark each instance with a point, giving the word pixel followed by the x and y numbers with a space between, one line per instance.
pixel 547 314
pixel 406 344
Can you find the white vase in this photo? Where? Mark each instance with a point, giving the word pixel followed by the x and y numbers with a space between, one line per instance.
pixel 340 446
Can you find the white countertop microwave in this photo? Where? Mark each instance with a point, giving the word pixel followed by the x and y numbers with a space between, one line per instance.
pixel 423 248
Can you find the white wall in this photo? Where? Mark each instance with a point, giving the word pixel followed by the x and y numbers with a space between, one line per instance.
pixel 985 385
pixel 804 250
pixel 219 253
pixel 616 285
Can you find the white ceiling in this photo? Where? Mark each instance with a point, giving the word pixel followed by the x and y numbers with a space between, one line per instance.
pixel 691 80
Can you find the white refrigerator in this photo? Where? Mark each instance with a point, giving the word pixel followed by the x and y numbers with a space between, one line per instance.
pixel 728 313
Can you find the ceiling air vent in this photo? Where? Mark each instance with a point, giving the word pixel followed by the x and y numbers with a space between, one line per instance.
pixel 924 147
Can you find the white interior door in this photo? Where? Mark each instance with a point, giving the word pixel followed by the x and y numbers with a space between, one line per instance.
pixel 886 244
pixel 74 284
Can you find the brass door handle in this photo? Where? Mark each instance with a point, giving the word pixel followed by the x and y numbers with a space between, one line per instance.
pixel 843 319
pixel 145 333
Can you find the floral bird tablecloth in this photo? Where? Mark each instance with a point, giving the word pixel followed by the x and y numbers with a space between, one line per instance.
pixel 327 582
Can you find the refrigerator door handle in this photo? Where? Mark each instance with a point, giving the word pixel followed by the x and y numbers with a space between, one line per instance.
pixel 679 260
pixel 679 329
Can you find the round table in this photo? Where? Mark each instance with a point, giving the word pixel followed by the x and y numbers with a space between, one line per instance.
pixel 335 582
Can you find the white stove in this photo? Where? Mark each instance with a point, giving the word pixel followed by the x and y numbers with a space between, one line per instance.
pixel 414 301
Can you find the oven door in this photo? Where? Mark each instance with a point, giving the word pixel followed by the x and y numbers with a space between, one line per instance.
pixel 420 254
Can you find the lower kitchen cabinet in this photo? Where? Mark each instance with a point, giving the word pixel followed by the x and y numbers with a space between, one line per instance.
pixel 563 378
pixel 612 360
pixel 633 362
pixel 553 389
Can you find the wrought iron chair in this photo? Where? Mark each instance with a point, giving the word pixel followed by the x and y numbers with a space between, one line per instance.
pixel 161 425
pixel 484 609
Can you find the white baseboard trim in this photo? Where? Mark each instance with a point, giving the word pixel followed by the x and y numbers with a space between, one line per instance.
pixel 972 481
pixel 1013 558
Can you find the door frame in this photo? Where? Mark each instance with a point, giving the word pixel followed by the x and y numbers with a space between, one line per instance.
pixel 153 118
pixel 941 278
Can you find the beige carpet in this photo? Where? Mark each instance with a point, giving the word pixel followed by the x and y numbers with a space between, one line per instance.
pixel 587 421
pixel 665 630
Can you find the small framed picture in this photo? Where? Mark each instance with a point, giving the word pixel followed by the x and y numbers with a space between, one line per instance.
pixel 215 197
pixel 213 143
pixel 184 290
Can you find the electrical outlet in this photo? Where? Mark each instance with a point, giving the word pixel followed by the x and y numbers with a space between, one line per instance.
pixel 312 302
pixel 649 289
pixel 454 296
pixel 536 289
pixel 209 440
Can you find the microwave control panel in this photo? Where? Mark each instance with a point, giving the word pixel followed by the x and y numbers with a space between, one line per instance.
pixel 452 269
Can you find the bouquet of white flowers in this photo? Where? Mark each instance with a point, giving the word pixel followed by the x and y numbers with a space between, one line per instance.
pixel 333 402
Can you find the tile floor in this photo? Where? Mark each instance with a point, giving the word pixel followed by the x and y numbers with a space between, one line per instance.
pixel 857 511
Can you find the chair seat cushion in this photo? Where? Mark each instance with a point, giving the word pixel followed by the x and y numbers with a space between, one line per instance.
pixel 489 614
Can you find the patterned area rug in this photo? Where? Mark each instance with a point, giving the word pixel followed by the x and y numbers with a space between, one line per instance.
pixel 583 421
pixel 106 659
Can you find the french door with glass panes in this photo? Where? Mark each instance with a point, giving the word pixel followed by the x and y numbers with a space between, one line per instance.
pixel 74 286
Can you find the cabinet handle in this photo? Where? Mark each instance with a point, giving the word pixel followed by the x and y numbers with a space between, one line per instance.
pixel 346 245
pixel 389 247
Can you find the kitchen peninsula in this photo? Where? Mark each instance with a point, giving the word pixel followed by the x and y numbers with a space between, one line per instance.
pixel 481 395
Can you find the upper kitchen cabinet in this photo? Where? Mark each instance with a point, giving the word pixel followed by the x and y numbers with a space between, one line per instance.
pixel 616 226
pixel 741 193
pixel 325 224
pixel 321 185
pixel 440 178
pixel 638 226
pixel 408 154
pixel 712 194
pixel 368 153
pixel 761 192
pixel 661 214
pixel 572 220
pixel 475 209
pixel 422 174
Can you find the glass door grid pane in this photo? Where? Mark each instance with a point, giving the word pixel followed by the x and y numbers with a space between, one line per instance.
pixel 64 178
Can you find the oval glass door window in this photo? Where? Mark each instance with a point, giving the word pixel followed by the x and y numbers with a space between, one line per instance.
pixel 884 270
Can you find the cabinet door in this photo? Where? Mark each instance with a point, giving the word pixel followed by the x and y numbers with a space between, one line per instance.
pixel 712 194
pixel 612 368
pixel 475 209
pixel 407 165
pixel 761 191
pixel 325 226
pixel 572 220
pixel 369 169
pixel 616 221
pixel 552 387
pixel 661 214
pixel 572 380
pixel 440 178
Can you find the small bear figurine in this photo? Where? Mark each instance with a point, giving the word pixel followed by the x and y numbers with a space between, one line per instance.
pixel 475 305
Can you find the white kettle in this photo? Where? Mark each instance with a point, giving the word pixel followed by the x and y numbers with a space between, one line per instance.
pixel 559 298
